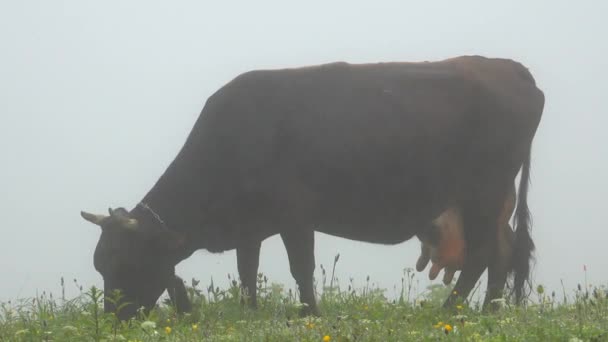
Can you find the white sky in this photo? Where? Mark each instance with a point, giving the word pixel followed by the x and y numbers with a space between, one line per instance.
pixel 96 98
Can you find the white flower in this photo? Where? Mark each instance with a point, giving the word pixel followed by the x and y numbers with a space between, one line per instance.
pixel 21 332
pixel 70 329
pixel 148 325
pixel 499 301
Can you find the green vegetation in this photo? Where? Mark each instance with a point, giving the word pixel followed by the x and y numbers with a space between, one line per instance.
pixel 348 315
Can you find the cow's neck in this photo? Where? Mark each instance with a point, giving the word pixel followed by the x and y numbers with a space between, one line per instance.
pixel 183 208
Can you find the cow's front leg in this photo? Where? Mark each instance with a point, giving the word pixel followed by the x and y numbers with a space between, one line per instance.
pixel 248 260
pixel 300 245
pixel 179 295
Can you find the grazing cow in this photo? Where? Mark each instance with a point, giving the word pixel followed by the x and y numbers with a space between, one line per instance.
pixel 369 152
pixel 495 255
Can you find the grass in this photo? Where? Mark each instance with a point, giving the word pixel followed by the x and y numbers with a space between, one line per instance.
pixel 348 315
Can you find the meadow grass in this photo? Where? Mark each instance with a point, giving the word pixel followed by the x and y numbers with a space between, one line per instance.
pixel 349 314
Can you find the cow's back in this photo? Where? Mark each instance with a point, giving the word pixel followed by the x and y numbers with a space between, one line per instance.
pixel 369 143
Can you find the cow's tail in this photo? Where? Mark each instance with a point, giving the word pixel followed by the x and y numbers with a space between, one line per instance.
pixel 523 246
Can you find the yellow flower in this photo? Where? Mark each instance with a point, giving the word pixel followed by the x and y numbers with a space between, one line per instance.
pixel 447 328
pixel 459 307
pixel 326 338
pixel 168 330
pixel 194 327
pixel 438 325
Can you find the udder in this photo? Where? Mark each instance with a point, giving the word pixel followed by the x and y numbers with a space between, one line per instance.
pixel 445 247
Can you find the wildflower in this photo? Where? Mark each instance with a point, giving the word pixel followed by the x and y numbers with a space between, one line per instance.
pixel 438 325
pixel 540 289
pixel 194 327
pixel 21 332
pixel 459 307
pixel 326 338
pixel 498 301
pixel 167 330
pixel 310 325
pixel 447 329
pixel 460 317
pixel 476 337
pixel 148 325
pixel 455 292
pixel 70 329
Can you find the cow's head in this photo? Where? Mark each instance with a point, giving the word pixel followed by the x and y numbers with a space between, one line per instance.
pixel 135 256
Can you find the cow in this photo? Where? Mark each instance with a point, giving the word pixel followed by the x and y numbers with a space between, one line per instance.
pixel 370 152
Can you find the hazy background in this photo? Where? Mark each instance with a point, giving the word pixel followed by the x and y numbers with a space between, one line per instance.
pixel 96 98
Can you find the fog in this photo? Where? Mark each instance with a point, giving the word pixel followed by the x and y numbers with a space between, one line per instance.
pixel 96 98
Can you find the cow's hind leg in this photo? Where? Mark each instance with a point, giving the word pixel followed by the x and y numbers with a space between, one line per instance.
pixel 481 219
pixel 248 260
pixel 500 260
pixel 495 254
pixel 470 274
pixel 300 250
pixel 498 269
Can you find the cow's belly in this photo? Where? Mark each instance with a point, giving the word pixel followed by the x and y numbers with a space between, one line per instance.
pixel 381 233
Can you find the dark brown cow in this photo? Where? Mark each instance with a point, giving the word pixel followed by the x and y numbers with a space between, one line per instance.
pixel 371 152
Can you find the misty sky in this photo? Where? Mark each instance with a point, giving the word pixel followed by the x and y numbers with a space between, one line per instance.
pixel 96 98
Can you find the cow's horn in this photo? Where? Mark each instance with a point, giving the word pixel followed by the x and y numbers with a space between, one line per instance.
pixel 96 219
